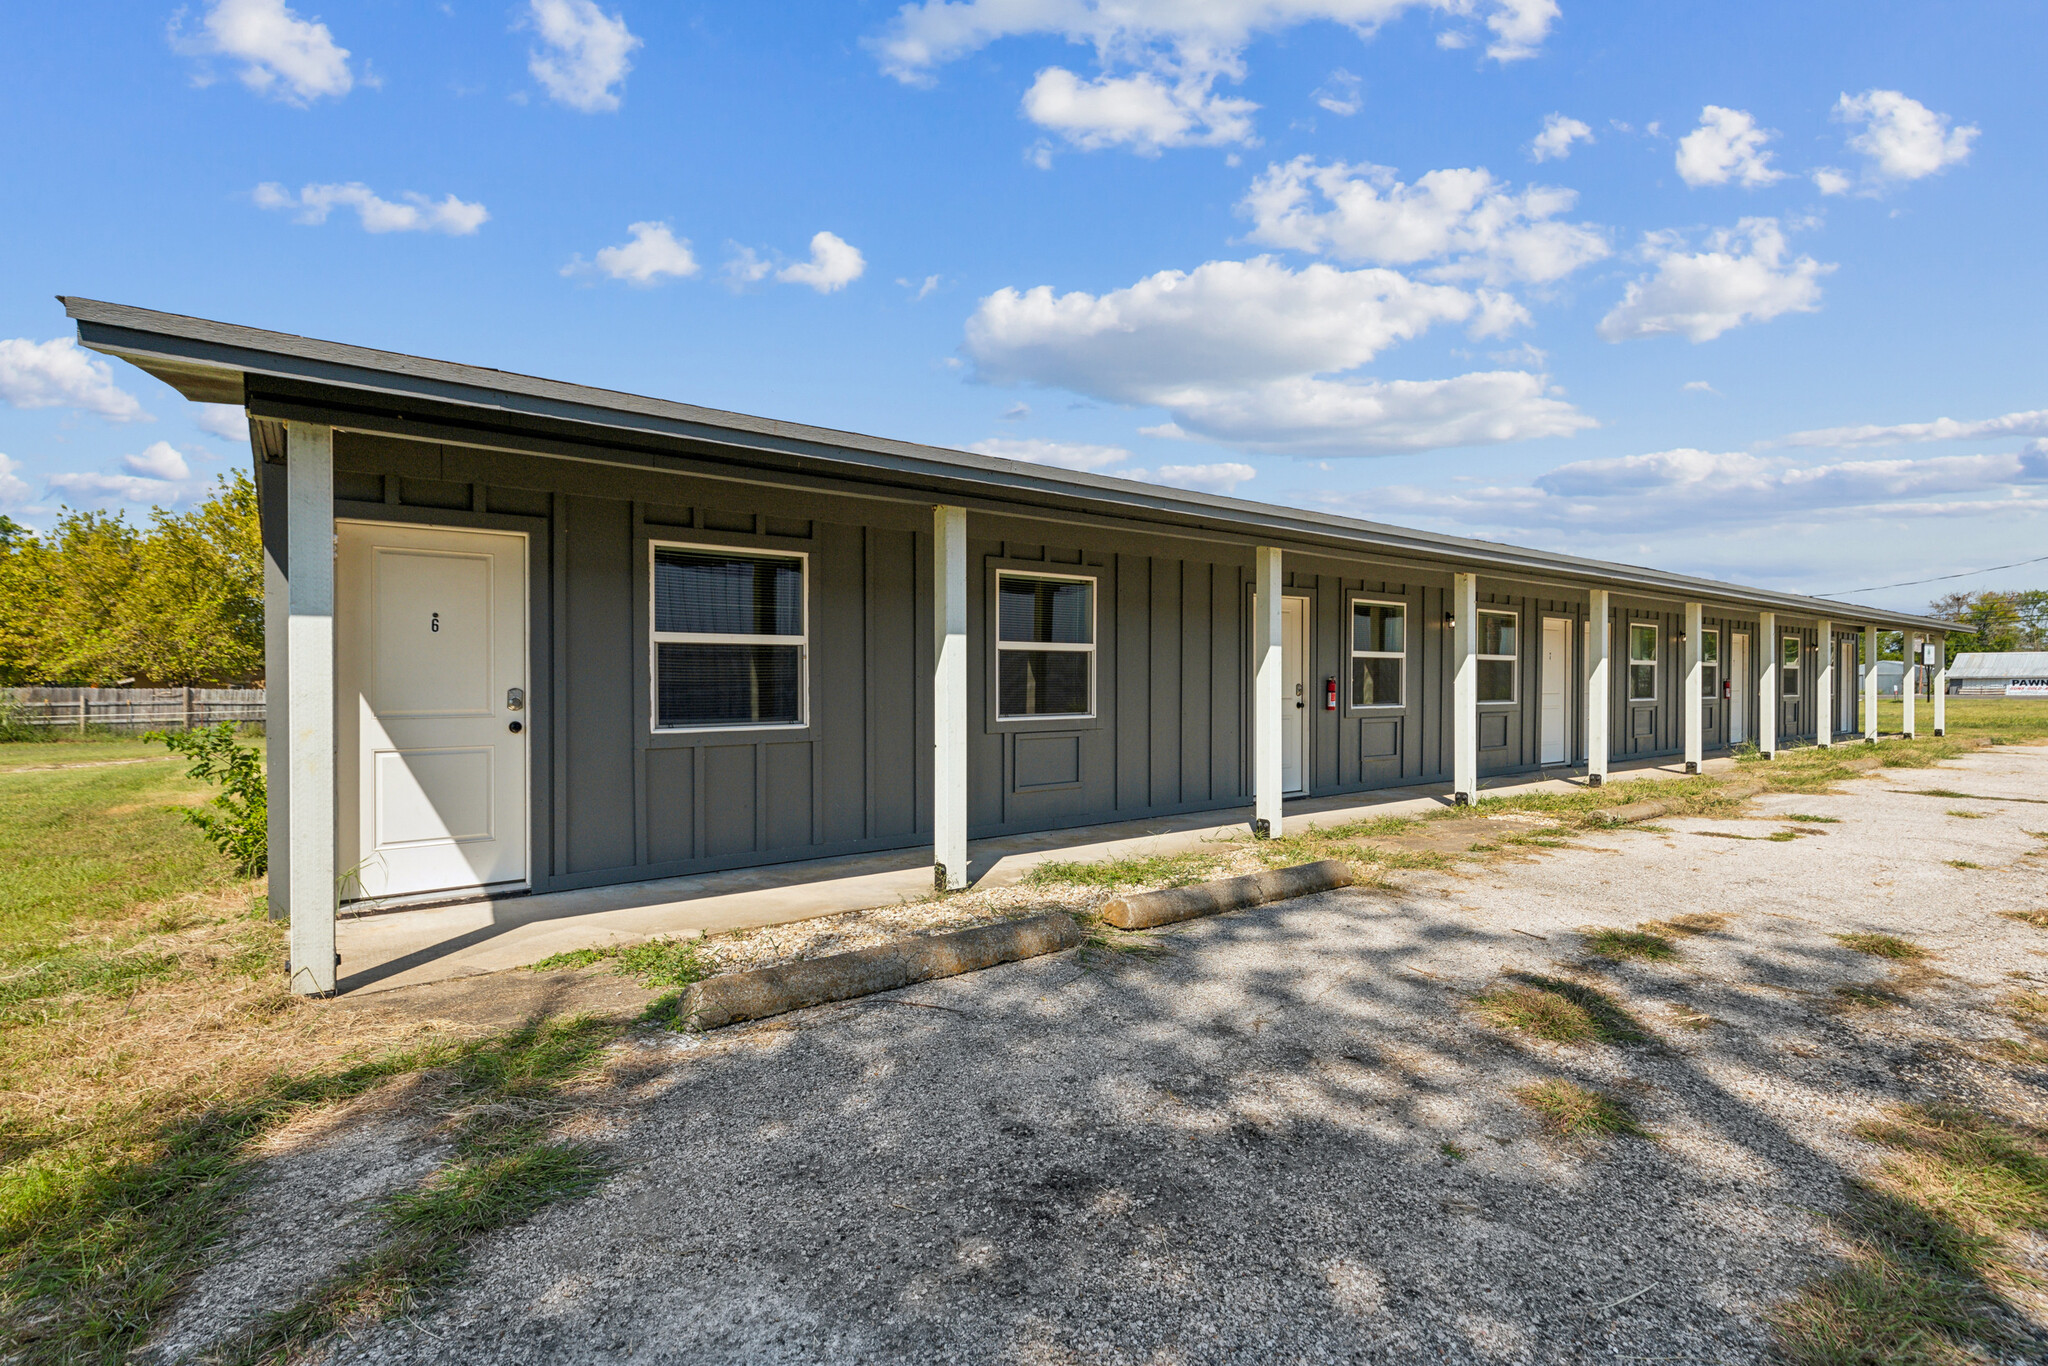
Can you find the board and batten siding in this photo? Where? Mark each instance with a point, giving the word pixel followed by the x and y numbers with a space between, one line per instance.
pixel 615 800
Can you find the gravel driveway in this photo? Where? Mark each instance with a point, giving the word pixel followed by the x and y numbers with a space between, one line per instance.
pixel 1244 1147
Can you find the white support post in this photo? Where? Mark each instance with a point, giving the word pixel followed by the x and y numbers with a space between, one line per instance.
pixel 1599 647
pixel 949 698
pixel 1824 688
pixel 309 655
pixel 1268 665
pixel 273 496
pixel 1695 664
pixel 1941 685
pixel 1465 690
pixel 1767 686
pixel 1909 680
pixel 1870 685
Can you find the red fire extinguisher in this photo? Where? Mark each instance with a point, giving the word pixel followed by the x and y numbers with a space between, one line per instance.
pixel 1329 694
pixel 1727 689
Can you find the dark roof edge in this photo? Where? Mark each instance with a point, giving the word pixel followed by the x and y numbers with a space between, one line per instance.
pixel 186 343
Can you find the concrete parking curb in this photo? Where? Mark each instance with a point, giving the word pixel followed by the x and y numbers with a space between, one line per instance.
pixel 1143 910
pixel 1630 812
pixel 763 992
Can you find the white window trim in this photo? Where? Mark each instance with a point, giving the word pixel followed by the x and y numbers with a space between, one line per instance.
pixel 1790 673
pixel 1350 627
pixel 657 639
pixel 1094 636
pixel 1514 674
pixel 1711 666
pixel 1629 661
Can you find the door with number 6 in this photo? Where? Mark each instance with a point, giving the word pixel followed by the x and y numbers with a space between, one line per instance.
pixel 430 675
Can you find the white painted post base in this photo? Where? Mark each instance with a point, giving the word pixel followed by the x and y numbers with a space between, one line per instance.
pixel 1695 678
pixel 1941 686
pixel 1824 689
pixel 1767 686
pixel 1268 666
pixel 309 682
pixel 1599 647
pixel 949 698
pixel 1465 689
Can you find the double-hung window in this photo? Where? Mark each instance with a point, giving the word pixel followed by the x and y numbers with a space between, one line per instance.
pixel 1710 664
pixel 729 638
pixel 1045 645
pixel 1379 653
pixel 1642 662
pixel 1789 656
pixel 1499 643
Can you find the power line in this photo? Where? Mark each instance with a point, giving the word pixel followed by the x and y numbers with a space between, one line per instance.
pixel 1939 578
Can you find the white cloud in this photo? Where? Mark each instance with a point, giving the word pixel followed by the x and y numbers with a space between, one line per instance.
pixel 1554 142
pixel 654 254
pixel 919 291
pixel 1902 137
pixel 1828 180
pixel 159 460
pixel 1060 454
pixel 57 374
pixel 115 488
pixel 1222 478
pixel 225 420
pixel 1697 386
pixel 745 267
pixel 584 56
pixel 1473 225
pixel 1726 146
pixel 1245 352
pixel 312 204
pixel 834 264
pixel 1685 489
pixel 1159 59
pixel 2033 423
pixel 13 489
pixel 1342 95
pixel 1141 111
pixel 1743 276
pixel 283 56
pixel 1519 28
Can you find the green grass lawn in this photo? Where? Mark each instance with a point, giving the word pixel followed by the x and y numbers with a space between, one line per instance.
pixel 2012 720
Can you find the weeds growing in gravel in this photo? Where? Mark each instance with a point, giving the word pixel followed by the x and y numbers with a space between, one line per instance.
pixel 656 963
pixel 1143 870
pixel 1884 946
pixel 1961 863
pixel 1692 922
pixel 1557 1010
pixel 1931 1260
pixel 1569 1110
pixel 1962 815
pixel 1619 944
pixel 507 1167
pixel 1812 820
pixel 1863 996
pixel 2038 919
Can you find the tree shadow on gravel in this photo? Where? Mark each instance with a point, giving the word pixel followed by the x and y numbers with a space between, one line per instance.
pixel 1285 1138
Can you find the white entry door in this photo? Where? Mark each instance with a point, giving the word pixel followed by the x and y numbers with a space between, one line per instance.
pixel 1556 712
pixel 1737 679
pixel 1294 711
pixel 430 675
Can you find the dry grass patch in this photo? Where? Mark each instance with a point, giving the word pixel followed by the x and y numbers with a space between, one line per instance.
pixel 1695 922
pixel 1613 944
pixel 2038 919
pixel 1884 946
pixel 1568 1110
pixel 1869 996
pixel 1932 1261
pixel 1557 1010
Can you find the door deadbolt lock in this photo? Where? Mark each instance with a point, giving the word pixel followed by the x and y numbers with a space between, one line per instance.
pixel 515 699
pixel 516 727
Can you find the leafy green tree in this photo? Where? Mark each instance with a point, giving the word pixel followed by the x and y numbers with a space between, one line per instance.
pixel 98 602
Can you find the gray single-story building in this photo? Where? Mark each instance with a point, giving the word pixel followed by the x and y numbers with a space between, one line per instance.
pixel 528 636
pixel 1999 673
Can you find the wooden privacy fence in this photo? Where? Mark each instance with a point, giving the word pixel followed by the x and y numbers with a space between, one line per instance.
pixel 130 709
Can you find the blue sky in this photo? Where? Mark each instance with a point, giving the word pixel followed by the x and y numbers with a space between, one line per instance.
pixel 1753 291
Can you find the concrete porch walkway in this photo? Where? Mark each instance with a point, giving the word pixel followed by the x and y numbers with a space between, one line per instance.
pixel 410 947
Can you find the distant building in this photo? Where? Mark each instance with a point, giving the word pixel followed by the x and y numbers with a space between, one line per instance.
pixel 1890 672
pixel 2009 673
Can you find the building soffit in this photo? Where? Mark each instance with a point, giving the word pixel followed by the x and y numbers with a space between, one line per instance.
pixel 282 376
